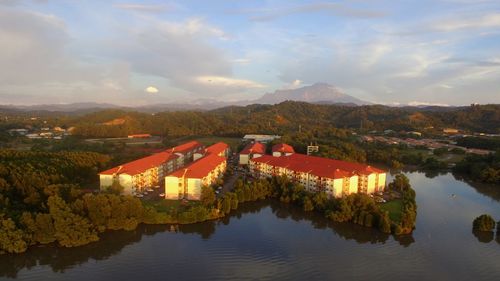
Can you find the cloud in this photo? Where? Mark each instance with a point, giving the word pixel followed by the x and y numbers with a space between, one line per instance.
pixel 220 81
pixel 420 103
pixel 446 86
pixel 242 61
pixel 145 8
pixel 293 85
pixel 182 54
pixel 336 9
pixel 151 90
pixel 35 62
pixel 491 20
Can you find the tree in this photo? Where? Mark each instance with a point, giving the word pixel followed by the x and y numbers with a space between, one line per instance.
pixel 384 223
pixel 207 196
pixel 483 223
pixel 308 204
pixel 116 187
pixel 39 227
pixel 11 238
pixel 71 229
pixel 400 183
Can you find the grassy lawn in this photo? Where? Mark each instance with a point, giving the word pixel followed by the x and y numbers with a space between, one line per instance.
pixel 164 205
pixel 394 207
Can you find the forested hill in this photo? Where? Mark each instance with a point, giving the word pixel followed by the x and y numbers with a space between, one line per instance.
pixel 285 117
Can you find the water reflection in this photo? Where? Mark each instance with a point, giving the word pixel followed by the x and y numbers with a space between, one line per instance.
pixel 490 190
pixel 113 242
pixel 484 236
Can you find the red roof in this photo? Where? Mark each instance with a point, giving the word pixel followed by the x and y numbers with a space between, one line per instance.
pixel 200 168
pixel 186 147
pixel 322 167
pixel 217 148
pixel 255 147
pixel 283 147
pixel 141 165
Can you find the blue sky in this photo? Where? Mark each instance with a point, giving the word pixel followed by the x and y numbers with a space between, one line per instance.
pixel 145 52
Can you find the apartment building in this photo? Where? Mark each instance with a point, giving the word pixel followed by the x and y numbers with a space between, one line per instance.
pixel 149 171
pixel 336 178
pixel 187 182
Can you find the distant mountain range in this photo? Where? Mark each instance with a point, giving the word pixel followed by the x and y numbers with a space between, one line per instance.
pixel 320 93
pixel 316 93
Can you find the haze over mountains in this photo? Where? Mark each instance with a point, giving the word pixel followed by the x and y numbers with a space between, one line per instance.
pixel 316 93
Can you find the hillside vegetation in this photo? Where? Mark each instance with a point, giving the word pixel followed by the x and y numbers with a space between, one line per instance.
pixel 286 117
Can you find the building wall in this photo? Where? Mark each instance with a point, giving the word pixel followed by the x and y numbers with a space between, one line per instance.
pixel 243 159
pixel 105 181
pixel 371 183
pixel 256 155
pixel 197 156
pixel 172 188
pixel 193 189
pixel 176 186
pixel 381 182
pixel 337 187
pixel 126 181
pixel 353 184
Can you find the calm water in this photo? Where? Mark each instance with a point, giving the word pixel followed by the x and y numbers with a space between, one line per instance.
pixel 270 241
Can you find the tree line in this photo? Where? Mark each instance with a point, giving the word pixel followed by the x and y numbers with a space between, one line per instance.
pixel 484 168
pixel 277 119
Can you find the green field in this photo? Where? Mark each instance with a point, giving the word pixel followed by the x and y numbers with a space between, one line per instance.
pixel 163 205
pixel 394 207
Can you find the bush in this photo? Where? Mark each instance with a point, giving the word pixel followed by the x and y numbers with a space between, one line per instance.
pixel 483 223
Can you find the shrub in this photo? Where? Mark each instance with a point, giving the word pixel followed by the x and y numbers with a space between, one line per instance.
pixel 483 223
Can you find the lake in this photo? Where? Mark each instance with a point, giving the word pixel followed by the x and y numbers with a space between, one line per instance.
pixel 271 241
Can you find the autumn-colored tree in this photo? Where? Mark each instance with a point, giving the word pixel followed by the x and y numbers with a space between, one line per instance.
pixel 70 229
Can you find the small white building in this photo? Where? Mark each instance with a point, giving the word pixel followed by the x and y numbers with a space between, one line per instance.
pixel 282 149
pixel 252 150
pixel 260 138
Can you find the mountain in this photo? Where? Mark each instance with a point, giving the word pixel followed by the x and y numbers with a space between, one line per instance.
pixel 317 93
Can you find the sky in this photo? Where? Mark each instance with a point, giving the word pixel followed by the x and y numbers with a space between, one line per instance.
pixel 145 52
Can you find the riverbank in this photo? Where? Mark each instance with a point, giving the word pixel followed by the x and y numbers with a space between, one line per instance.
pixel 112 212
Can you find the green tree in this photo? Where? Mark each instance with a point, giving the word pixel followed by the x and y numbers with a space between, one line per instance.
pixel 308 204
pixel 483 223
pixel 70 229
pixel 207 196
pixel 11 238
pixel 39 227
pixel 384 223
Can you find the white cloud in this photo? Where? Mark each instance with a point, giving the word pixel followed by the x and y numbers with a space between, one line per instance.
pixel 221 81
pixel 293 85
pixel 459 23
pixel 242 61
pixel 336 9
pixel 421 103
pixel 151 90
pixel 446 86
pixel 158 8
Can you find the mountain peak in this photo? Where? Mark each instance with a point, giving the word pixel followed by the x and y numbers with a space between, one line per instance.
pixel 317 92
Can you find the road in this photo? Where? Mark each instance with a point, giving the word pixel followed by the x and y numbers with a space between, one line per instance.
pixel 229 183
